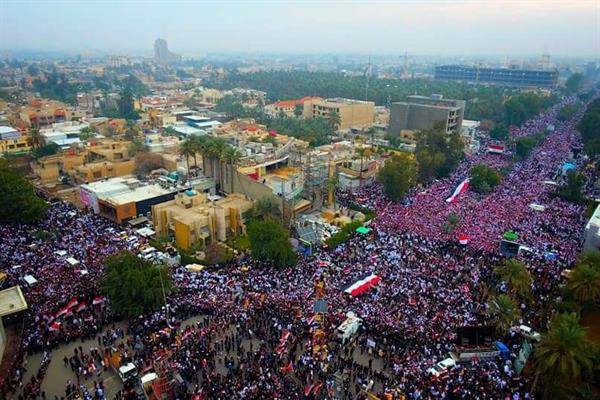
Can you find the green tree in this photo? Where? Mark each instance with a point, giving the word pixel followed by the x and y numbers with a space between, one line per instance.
pixel 86 133
pixel 137 146
pixel 525 144
pixel 269 242
pixel 438 153
pixel 17 196
pixel 45 150
pixel 231 157
pixel 563 357
pixel 584 281
pixel 35 139
pixel 362 152
pixel 133 285
pixel 571 190
pixel 187 150
pixel 398 175
pixel 499 132
pixel 334 120
pixel 266 207
pixel 516 275
pixel 483 179
pixel 573 83
pixel 504 312
pixel 298 110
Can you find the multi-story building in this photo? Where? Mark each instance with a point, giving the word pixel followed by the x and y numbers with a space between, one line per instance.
pixel 190 217
pixel 120 199
pixel 547 78
pixel 288 107
pixel 95 171
pixel 12 141
pixel 422 113
pixel 353 113
pixel 42 113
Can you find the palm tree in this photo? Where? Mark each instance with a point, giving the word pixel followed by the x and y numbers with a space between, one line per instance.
pixel 186 149
pixel 334 120
pixel 362 152
pixel 515 274
pixel 231 156
pixel 36 139
pixel 585 283
pixel 266 208
pixel 563 356
pixel 215 153
pixel 332 184
pixel 504 312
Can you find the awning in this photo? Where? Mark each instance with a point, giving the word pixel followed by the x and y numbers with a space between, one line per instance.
pixel 363 230
pixel 510 236
pixel 362 285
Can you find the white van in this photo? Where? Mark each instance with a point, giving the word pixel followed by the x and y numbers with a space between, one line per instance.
pixel 349 327
pixel 529 333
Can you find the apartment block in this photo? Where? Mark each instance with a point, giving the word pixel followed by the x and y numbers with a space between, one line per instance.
pixel 422 113
pixel 353 113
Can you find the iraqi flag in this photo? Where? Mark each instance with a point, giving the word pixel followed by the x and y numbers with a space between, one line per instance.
pixel 460 189
pixel 54 326
pixel 72 303
pixel 81 307
pixel 98 300
pixel 496 149
pixel 62 311
pixel 362 285
pixel 463 238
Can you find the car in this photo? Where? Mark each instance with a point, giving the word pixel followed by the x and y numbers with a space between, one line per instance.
pixel 442 367
pixel 529 333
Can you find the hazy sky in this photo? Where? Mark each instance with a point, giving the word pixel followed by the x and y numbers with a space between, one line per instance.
pixel 505 27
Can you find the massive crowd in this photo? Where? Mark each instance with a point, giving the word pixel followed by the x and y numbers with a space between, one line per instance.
pixel 258 337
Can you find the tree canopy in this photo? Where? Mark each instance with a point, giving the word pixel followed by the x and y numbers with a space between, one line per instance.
pixel 134 285
pixel 438 153
pixel 269 242
pixel 17 196
pixel 589 128
pixel 398 175
pixel 483 179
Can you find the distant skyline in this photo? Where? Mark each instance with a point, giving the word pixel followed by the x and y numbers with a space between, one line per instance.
pixel 564 28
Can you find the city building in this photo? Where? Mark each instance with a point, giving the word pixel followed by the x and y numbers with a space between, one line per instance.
pixel 12 141
pixel 95 171
pixel 162 53
pixel 592 232
pixel 11 302
pixel 122 198
pixel 422 113
pixel 50 168
pixel 288 107
pixel 545 78
pixel 352 113
pixel 42 113
pixel 65 133
pixel 193 217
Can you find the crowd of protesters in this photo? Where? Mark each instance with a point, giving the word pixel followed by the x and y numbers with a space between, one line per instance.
pixel 258 337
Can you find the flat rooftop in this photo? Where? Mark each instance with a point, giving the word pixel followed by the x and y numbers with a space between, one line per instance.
pixel 12 301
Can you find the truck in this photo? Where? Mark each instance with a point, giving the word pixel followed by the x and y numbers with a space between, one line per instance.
pixel 349 327
pixel 124 368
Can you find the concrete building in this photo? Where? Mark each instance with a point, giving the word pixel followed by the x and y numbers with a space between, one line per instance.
pixel 120 199
pixel 288 107
pixel 592 232
pixel 65 133
pixel 191 217
pixel 42 113
pixel 162 53
pixel 423 113
pixel 12 141
pixel 353 113
pixel 517 77
pixel 11 302
pixel 95 171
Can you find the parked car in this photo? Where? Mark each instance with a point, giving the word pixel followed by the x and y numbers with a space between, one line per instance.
pixel 442 367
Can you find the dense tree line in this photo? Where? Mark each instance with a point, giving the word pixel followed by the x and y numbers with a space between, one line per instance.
pixel 57 86
pixel 590 128
pixel 482 102
pixel 17 196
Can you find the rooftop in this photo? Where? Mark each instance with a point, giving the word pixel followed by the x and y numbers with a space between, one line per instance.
pixel 12 301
